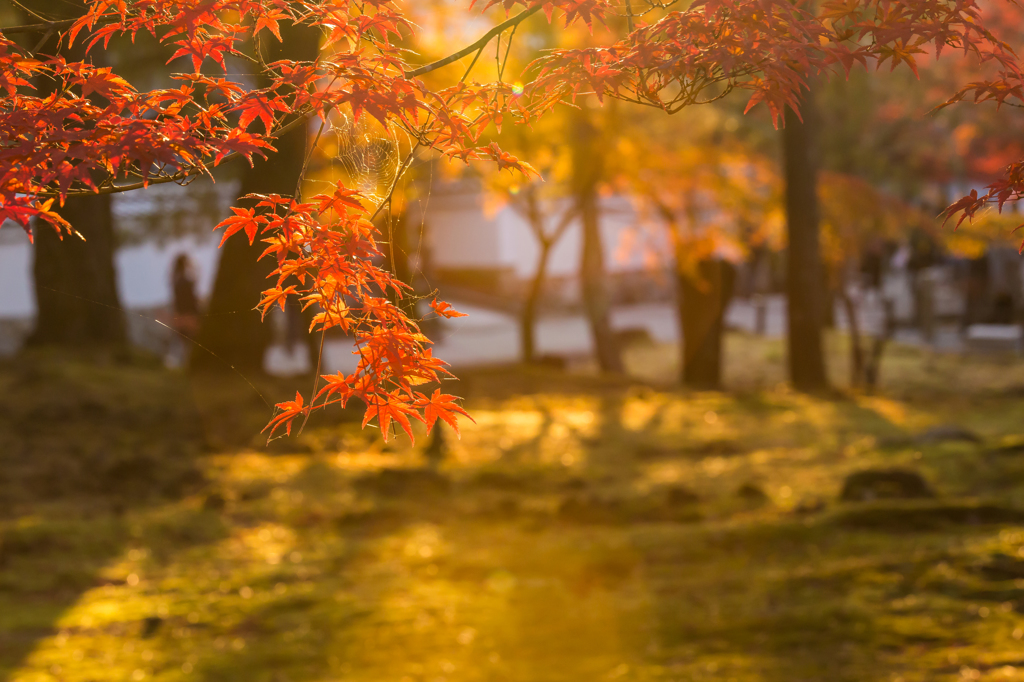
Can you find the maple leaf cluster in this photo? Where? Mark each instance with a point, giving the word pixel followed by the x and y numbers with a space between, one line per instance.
pixel 97 133
pixel 771 48
pixel 88 130
pixel 327 247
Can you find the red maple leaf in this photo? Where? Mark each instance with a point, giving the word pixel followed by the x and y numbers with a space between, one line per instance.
pixel 261 107
pixel 243 219
pixel 269 20
pixel 278 296
pixel 106 84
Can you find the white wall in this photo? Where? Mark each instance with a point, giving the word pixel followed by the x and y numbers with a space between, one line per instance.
pixel 461 234
pixel 17 297
pixel 144 271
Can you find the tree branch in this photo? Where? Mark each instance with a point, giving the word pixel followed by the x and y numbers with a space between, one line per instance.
pixel 512 22
pixel 478 45
pixel 180 175
pixel 38 28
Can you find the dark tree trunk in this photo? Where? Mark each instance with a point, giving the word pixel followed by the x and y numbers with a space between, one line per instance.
pixel 873 364
pixel 231 329
pixel 528 317
pixel 77 304
pixel 75 281
pixel 587 169
pixel 595 292
pixel 701 311
pixel 857 367
pixel 804 267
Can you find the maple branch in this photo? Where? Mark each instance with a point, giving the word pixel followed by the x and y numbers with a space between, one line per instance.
pixel 180 175
pixel 478 45
pixel 419 134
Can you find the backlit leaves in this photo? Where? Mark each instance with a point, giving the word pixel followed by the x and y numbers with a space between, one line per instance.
pixel 444 309
pixel 242 221
pixel 287 413
pixel 443 407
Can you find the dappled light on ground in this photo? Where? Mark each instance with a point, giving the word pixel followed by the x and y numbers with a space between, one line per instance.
pixel 582 529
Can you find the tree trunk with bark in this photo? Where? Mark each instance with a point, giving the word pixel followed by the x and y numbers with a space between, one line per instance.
pixel 804 289
pixel 873 365
pixel 701 306
pixel 231 329
pixel 528 317
pixel 546 241
pixel 77 304
pixel 857 367
pixel 587 169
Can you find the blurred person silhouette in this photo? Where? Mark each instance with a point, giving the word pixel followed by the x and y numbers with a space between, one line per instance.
pixel 185 307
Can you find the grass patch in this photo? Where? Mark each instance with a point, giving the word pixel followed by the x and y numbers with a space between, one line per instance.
pixel 582 529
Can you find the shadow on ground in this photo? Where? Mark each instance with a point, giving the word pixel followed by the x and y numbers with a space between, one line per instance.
pixel 581 529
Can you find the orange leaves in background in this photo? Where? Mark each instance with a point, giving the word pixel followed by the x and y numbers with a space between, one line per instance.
pixel 505 160
pixel 767 47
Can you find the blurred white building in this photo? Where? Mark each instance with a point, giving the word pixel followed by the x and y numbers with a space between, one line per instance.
pixel 492 248
pixel 478 257
pixel 153 227
pixel 481 259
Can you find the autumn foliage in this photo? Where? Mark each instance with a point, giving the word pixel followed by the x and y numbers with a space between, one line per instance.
pixel 98 133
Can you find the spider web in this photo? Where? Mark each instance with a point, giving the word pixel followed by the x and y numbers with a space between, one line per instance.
pixel 364 154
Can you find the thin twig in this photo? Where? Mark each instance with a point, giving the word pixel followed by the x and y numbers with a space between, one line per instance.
pixel 478 45
pixel 508 48
pixel 36 28
pixel 38 16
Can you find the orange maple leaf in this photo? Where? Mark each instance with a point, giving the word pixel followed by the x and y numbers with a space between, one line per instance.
pixel 441 406
pixel 394 408
pixel 289 411
pixel 277 295
pixel 444 309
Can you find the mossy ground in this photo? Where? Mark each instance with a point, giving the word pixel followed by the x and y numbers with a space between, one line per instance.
pixel 582 529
